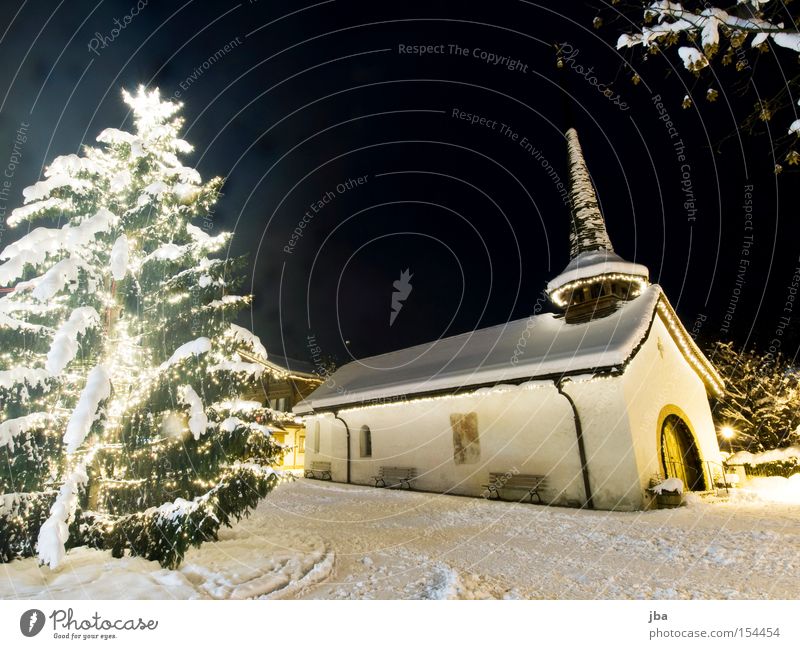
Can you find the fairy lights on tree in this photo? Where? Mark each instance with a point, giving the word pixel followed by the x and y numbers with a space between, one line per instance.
pixel 120 422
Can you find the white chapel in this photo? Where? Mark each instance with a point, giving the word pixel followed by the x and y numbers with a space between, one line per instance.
pixel 603 397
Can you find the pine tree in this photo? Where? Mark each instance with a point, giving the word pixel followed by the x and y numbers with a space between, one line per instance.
pixel 762 398
pixel 121 424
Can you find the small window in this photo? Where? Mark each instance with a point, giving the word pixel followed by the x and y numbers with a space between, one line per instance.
pixel 316 437
pixel 366 442
pixel 466 440
pixel 302 444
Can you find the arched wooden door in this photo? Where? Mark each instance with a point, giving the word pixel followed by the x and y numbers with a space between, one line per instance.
pixel 679 453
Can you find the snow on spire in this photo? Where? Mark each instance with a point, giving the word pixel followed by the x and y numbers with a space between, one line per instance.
pixel 588 229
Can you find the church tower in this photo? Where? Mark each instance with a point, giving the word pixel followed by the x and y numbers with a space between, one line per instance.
pixel 596 279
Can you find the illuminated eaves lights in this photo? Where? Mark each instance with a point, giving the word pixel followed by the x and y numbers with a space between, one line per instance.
pixel 638 282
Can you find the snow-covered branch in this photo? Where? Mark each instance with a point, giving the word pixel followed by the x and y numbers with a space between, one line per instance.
pixel 666 22
pixel 673 19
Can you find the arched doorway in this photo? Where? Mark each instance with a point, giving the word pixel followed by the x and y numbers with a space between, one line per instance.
pixel 679 453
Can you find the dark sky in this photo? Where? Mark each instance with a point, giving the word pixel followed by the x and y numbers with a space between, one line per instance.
pixel 307 99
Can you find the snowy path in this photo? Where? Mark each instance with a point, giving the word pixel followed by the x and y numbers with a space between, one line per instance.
pixel 401 544
pixel 315 539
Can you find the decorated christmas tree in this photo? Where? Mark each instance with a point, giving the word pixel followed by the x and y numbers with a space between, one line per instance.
pixel 121 425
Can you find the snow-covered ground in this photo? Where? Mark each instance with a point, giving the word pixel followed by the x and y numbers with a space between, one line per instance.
pixel 312 539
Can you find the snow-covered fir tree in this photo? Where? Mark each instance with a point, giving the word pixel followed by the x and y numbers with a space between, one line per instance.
pixel 761 401
pixel 121 425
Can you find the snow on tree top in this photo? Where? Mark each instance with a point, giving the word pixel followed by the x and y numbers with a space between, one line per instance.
pixel 588 229
pixel 488 356
pixel 149 111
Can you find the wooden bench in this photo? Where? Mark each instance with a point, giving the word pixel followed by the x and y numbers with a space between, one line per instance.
pixel 395 476
pixel 519 481
pixel 319 470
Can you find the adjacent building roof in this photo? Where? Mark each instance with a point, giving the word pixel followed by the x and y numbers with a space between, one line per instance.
pixel 283 366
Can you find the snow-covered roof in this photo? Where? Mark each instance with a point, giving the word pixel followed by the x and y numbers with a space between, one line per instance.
pixel 539 346
pixel 593 264
pixel 283 366
pixel 294 365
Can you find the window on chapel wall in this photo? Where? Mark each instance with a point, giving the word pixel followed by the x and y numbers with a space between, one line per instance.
pixel 466 440
pixel 366 442
pixel 316 437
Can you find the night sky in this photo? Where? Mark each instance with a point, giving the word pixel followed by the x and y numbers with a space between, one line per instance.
pixel 306 98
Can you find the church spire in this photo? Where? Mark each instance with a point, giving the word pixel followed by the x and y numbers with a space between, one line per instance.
pixel 587 227
pixel 596 279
